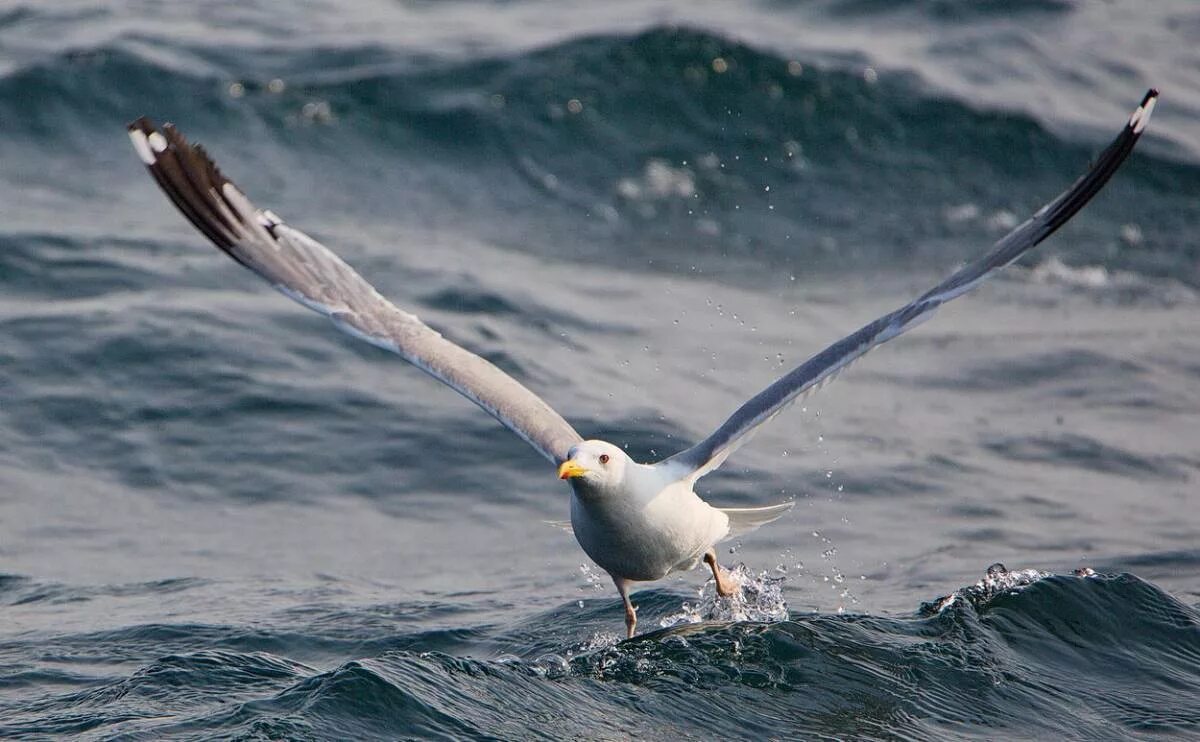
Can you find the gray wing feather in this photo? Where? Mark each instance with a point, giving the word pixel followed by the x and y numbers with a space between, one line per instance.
pixel 822 368
pixel 308 272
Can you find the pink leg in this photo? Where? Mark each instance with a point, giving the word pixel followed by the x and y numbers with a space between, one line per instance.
pixel 630 610
pixel 725 586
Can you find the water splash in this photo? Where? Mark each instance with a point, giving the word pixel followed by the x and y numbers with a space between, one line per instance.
pixel 594 580
pixel 997 581
pixel 758 598
pixel 597 641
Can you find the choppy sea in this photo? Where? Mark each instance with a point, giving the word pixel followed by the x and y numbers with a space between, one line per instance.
pixel 219 518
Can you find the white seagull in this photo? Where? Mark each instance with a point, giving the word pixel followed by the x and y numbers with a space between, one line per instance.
pixel 639 522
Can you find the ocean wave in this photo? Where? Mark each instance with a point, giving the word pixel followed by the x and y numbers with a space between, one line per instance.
pixel 1019 653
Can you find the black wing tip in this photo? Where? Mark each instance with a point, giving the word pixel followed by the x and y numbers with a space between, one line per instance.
pixel 144 124
pixel 1141 116
pixel 1059 211
pixel 188 177
pixel 155 144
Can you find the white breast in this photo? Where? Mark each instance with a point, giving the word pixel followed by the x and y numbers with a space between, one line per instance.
pixel 648 528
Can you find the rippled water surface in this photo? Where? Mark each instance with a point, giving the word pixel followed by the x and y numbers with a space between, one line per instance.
pixel 220 518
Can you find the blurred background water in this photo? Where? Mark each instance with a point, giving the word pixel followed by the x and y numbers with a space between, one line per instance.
pixel 221 518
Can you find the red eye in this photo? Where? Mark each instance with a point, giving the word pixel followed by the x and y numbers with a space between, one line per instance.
pixel 603 458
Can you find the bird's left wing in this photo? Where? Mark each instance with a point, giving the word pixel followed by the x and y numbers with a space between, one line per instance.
pixel 308 272
pixel 806 378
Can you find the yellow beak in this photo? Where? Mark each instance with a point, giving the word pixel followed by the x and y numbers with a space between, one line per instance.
pixel 570 469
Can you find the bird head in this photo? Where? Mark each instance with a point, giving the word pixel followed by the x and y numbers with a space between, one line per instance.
pixel 594 465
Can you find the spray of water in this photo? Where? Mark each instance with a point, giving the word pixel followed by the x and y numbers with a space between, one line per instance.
pixel 759 597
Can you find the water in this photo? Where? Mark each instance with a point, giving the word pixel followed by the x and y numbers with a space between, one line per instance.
pixel 220 518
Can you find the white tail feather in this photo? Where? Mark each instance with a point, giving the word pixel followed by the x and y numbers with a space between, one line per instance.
pixel 745 520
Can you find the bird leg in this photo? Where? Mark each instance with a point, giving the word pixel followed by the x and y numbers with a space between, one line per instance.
pixel 725 585
pixel 630 609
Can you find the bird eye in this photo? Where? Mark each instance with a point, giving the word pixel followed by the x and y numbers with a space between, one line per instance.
pixel 603 458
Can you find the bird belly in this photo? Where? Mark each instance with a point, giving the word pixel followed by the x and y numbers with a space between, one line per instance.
pixel 646 541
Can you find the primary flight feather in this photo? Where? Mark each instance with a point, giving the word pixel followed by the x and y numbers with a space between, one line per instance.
pixel 639 522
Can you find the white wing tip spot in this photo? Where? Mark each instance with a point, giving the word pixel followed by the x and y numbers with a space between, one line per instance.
pixel 157 142
pixel 142 146
pixel 1141 116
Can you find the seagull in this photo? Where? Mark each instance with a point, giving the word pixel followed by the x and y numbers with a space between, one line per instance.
pixel 639 522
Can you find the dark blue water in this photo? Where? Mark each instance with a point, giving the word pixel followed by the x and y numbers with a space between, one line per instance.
pixel 219 518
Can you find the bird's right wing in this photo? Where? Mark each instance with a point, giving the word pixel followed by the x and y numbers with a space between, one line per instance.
pixel 308 272
pixel 711 452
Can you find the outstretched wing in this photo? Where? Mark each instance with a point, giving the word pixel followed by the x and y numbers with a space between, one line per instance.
pixel 709 453
pixel 308 272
